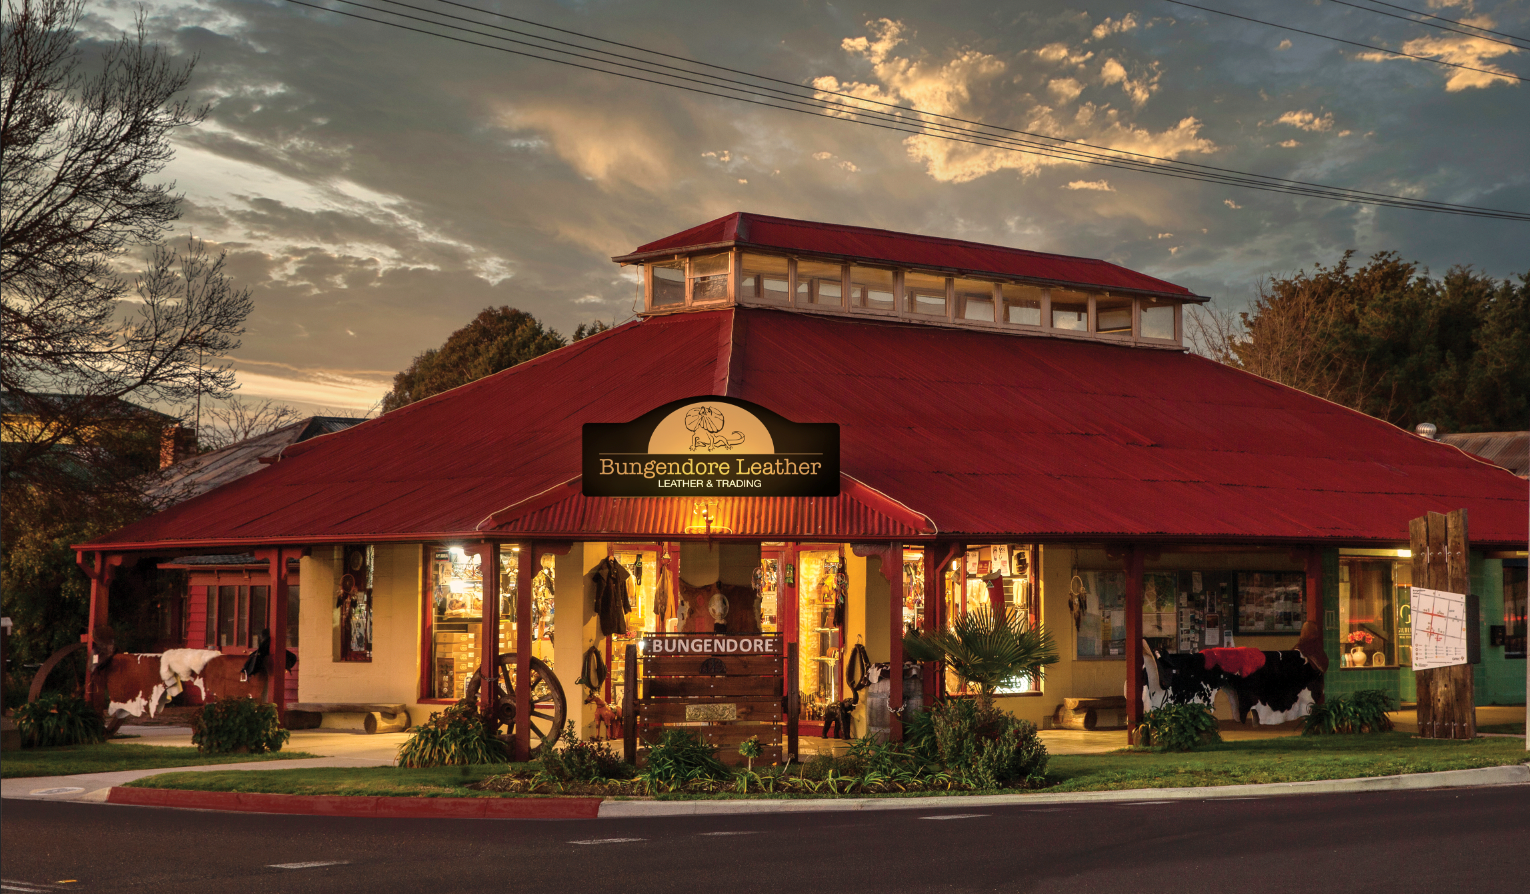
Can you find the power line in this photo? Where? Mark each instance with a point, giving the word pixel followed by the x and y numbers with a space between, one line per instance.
pixel 1393 15
pixel 1399 53
pixel 1452 21
pixel 813 105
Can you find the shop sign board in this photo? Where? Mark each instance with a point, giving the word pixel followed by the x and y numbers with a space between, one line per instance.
pixel 711 447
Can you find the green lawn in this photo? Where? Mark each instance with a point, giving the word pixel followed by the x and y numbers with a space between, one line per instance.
pixel 67 760
pixel 437 782
pixel 1288 759
pixel 1513 729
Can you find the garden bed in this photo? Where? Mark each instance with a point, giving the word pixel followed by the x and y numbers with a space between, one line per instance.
pixel 1289 759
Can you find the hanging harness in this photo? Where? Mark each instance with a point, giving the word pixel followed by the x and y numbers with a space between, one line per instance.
pixel 836 717
pixel 592 670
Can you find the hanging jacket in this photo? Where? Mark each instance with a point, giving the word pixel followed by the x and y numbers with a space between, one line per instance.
pixel 613 598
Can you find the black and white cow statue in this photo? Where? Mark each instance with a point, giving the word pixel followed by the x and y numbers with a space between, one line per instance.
pixel 1275 686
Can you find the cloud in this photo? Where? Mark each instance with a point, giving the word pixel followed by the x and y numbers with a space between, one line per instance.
pixel 1289 144
pixel 1231 204
pixel 1113 72
pixel 1068 89
pixel 1305 120
pixel 1059 52
pixel 1096 185
pixel 1109 26
pixel 1473 52
pixel 1283 45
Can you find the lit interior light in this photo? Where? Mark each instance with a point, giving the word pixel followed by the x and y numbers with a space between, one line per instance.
pixel 1405 554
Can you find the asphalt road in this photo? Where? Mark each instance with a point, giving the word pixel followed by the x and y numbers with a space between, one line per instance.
pixel 1431 841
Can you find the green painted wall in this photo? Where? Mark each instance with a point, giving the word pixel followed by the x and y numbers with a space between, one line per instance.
pixel 1497 680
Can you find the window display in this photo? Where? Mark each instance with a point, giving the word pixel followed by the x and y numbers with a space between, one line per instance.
pixel 454 580
pixel 1514 605
pixel 913 589
pixel 647 564
pixel 822 599
pixel 353 605
pixel 1097 601
pixel 1271 601
pixel 767 583
pixel 1371 595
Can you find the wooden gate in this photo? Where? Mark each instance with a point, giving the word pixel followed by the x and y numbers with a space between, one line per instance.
pixel 724 688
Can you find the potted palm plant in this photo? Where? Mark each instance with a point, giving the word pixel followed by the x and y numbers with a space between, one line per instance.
pixel 985 650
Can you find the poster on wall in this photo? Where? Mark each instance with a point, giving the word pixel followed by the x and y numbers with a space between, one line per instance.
pixel 710 446
pixel 1271 601
pixel 353 604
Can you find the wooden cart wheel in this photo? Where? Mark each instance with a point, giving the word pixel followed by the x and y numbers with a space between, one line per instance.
pixel 112 723
pixel 549 711
pixel 47 668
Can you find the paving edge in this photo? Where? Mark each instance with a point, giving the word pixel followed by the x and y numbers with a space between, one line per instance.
pixel 1513 774
pixel 592 808
pixel 360 805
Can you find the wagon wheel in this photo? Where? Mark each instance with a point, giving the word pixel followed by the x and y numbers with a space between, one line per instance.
pixel 112 723
pixel 545 691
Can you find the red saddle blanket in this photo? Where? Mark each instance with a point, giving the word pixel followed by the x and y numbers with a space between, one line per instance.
pixel 1240 660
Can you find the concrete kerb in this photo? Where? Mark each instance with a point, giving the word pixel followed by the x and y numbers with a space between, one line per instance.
pixel 566 808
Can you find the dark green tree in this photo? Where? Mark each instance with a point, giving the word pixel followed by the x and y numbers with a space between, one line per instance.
pixel 497 339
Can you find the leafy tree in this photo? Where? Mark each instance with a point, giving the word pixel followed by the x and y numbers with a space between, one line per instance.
pixel 497 339
pixel 1389 340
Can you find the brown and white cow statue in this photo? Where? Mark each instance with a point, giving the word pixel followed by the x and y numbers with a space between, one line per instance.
pixel 131 685
pixel 1275 687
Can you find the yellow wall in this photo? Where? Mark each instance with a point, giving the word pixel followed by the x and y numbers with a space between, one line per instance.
pixel 577 627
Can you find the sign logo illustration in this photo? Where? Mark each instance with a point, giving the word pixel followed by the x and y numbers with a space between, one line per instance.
pixel 711 446
pixel 705 424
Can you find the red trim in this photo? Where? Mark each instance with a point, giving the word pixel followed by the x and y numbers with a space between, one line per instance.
pixel 362 806
pixel 882 503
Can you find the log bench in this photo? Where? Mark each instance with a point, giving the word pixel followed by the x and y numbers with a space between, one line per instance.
pixel 1084 713
pixel 376 718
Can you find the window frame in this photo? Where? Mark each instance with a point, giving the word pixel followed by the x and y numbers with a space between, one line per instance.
pixel 908 300
pixel 959 302
pixel 1174 308
pixel 1130 332
pixel 648 284
pixel 819 306
pixel 1045 296
pixel 897 291
pixel 760 299
pixel 729 286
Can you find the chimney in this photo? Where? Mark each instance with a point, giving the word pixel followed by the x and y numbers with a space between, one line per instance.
pixel 1427 430
pixel 177 443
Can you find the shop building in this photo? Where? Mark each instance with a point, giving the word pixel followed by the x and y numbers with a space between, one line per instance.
pixel 929 425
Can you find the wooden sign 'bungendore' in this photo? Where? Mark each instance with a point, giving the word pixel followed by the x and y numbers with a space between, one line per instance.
pixel 724 689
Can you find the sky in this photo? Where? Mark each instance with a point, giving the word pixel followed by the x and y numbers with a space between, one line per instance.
pixel 375 188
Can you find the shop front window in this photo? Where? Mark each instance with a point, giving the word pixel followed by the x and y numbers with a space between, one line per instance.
pixel 645 570
pixel 1514 605
pixel 822 597
pixel 1097 600
pixel 767 582
pixel 1272 601
pixel 1372 597
pixel 455 585
pixel 765 278
pixel 913 589
pixel 236 614
pixel 709 277
pixel 353 604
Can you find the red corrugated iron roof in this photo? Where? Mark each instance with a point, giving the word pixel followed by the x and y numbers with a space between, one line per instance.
pixel 983 433
pixel 905 249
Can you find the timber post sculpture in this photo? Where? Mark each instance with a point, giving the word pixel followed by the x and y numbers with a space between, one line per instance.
pixel 1446 700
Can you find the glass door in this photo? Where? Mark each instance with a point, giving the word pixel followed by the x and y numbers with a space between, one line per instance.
pixel 822 596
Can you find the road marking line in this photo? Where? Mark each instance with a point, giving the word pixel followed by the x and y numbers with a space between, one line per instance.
pixel 312 864
pixel 1141 803
pixel 948 816
pixel 727 833
pixel 607 840
pixel 29 887
pixel 56 791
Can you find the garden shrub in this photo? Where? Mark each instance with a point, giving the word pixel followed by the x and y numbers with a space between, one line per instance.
pixel 679 757
pixel 58 719
pixel 582 761
pixel 455 737
pixel 1362 712
pixel 1178 727
pixel 237 724
pixel 987 746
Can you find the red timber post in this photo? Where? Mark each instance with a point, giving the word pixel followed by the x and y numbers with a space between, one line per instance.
pixel 100 568
pixel 1134 652
pixel 525 568
pixel 894 577
pixel 1314 562
pixel 488 573
pixel 276 621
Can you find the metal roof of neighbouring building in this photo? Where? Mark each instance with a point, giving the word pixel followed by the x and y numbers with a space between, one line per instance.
pixel 200 474
pixel 745 230
pixel 979 433
pixel 1509 449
